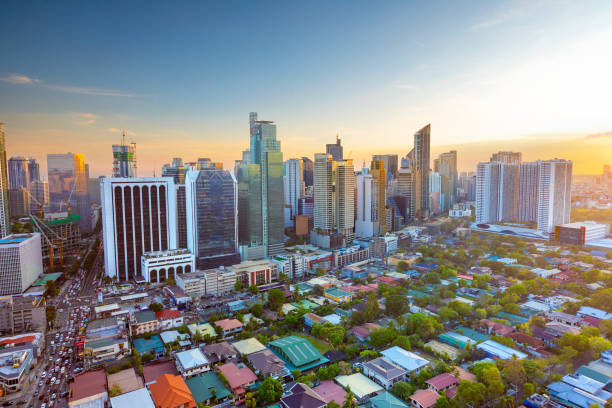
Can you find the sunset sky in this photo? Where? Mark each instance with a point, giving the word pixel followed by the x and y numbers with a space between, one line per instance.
pixel 181 78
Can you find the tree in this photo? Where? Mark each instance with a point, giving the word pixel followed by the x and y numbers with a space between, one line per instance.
pixel 249 400
pixel 447 314
pixel 403 342
pixel 471 393
pixel 50 313
pixel 605 326
pixel 257 310
pixel 254 289
pixel 270 390
pixel 514 372
pixel 493 380
pixel 276 298
pixel 444 402
pixel 115 390
pixel 52 289
pixel 402 266
pixel 349 400
pixel 368 354
pixel 328 373
pixel 480 314
pixel 155 307
pixel 403 390
pixel 528 389
pixel 318 290
pixel 396 305
pixel 383 336
pixel 332 404
pixel 372 311
pixel 238 286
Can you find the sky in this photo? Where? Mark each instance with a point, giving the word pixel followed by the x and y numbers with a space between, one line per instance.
pixel 182 77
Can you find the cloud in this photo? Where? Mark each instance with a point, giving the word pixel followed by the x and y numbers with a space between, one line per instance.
pixel 599 135
pixel 86 119
pixel 507 13
pixel 20 79
pixel 24 79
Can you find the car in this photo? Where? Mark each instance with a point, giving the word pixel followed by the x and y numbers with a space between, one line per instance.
pixel 43 405
pixel 43 374
pixel 40 384
pixel 53 396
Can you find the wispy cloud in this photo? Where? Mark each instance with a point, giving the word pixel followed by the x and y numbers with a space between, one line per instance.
pixel 86 119
pixel 26 80
pixel 601 135
pixel 507 13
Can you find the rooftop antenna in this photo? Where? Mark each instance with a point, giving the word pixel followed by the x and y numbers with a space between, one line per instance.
pixel 123 137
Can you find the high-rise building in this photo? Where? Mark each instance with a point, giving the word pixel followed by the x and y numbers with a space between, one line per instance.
pixel 554 194
pixel 124 159
pixel 212 217
pixel 20 262
pixel 421 157
pixel 529 174
pixel 176 170
pixel 39 196
pixel 335 149
pixel 308 167
pixel 446 167
pixel 4 184
pixel 66 179
pixel 19 202
pixel 496 192
pixel 138 216
pixel 391 163
pixel 19 175
pixel 405 188
pixel 293 185
pixel 366 222
pixel 507 157
pixel 246 156
pixel 334 201
pixel 181 216
pixel 33 170
pixel 379 173
pixel 265 173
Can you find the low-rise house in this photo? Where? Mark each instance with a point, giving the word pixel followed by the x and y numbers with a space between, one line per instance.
pixel 229 327
pixel 171 391
pixel 202 386
pixel 302 396
pixel 219 352
pixel 205 329
pixel 267 364
pixel 559 329
pixel 497 350
pixel 106 340
pixel 151 372
pixel 330 391
pixel 143 322
pixel 338 295
pixel 424 398
pixel 387 400
pixel 362 387
pixel 238 378
pixel 88 388
pixel 153 345
pixel 310 319
pixel 248 346
pixel 127 380
pixel 298 353
pixel 529 343
pixel 169 319
pixel 140 398
pixel 499 329
pixel 565 318
pixel 363 332
pixel 586 311
pixel 443 383
pixel 192 362
pixel 173 336
pixel 384 372
pixel 409 361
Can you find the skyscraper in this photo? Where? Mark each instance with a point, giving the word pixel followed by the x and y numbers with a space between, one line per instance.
pixel 529 175
pixel 308 167
pixel 138 216
pixel 507 157
pixel 405 188
pixel 293 184
pixel 19 175
pixel 391 163
pixel 124 159
pixel 334 201
pixel 435 192
pixel 4 184
pixel 497 192
pixel 379 173
pixel 176 170
pixel 554 194
pixel 212 217
pixel 66 179
pixel 366 222
pixel 33 170
pixel 446 166
pixel 422 159
pixel 266 169
pixel 39 196
pixel 335 149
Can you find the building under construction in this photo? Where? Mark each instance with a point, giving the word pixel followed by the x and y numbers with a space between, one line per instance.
pixel 60 236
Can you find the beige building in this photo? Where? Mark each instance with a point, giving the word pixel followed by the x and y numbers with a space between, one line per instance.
pixel 220 281
pixel 193 283
pixel 258 272
pixel 143 322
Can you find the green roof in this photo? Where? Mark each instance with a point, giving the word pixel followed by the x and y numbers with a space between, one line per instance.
pixel 595 375
pixel 337 292
pixel 387 400
pixel 298 351
pixel 201 385
pixel 100 343
pixel 154 344
pixel 144 316
pixel 472 334
pixel 305 304
pixel 42 281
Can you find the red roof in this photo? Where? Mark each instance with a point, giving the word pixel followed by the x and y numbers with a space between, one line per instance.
pixel 591 321
pixel 386 279
pixel 167 314
pixel 526 339
pixel 442 381
pixel 464 276
pixel 18 340
pixel 237 377
pixel 88 384
pixel 152 372
pixel 499 328
pixel 228 324
pixel 171 391
pixel 425 398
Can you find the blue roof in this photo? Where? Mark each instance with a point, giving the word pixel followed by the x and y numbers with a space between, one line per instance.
pixel 12 240
pixel 500 351
pixel 565 393
pixel 426 265
pixel 405 359
pixel 153 344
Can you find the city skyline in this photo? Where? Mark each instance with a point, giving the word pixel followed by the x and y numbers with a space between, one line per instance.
pixel 509 75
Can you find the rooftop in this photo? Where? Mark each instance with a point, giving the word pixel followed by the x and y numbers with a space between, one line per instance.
pixel 405 359
pixel 139 398
pixel 144 316
pixel 126 379
pixel 228 324
pixel 153 344
pixel 387 400
pixel 298 351
pixel 237 376
pixel 171 391
pixel 330 391
pixel 88 384
pixel 152 372
pixel 384 368
pixel 201 387
pixel 190 359
pixel 425 398
pixel 442 381
pixel 248 346
pixel 361 385
pixel 266 362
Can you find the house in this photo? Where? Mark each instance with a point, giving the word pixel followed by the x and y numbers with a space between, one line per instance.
pixel 153 345
pixel 387 400
pixel 311 319
pixel 588 311
pixel 443 383
pixel 302 396
pixel 499 329
pixel 143 322
pixel 330 391
pixel 497 350
pixel 126 379
pixel 565 318
pixel 298 353
pixel 409 361
pixel 202 386
pixel 360 385
pixel 169 319
pixel 171 391
pixel 88 388
pixel 384 372
pixel 140 398
pixel 559 329
pixel 238 378
pixel 529 343
pixel 387 280
pixel 219 352
pixel 229 327
pixel 424 398
pixel 205 329
pixel 248 346
pixel 151 372
pixel 192 362
pixel 363 332
pixel 267 364
pixel 173 336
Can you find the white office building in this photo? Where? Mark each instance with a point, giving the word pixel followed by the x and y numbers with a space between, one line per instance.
pixel 293 180
pixel 366 223
pixel 161 265
pixel 554 194
pixel 20 262
pixel 138 216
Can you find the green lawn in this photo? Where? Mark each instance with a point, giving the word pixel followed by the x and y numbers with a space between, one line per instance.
pixel 320 345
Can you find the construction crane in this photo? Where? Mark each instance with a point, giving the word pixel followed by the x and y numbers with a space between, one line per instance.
pixel 67 202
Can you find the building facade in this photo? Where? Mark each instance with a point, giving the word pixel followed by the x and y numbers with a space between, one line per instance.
pixel 124 159
pixel 161 265
pixel 366 222
pixel 335 150
pixel 421 171
pixel 496 192
pixel 554 194
pixel 4 185
pixel 446 166
pixel 19 173
pixel 379 174
pixel 293 179
pixel 138 216
pixel 529 174
pixel 20 262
